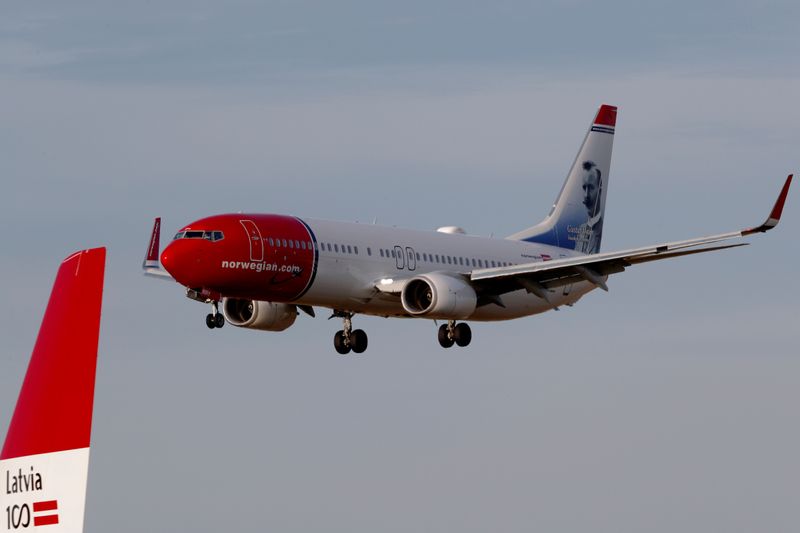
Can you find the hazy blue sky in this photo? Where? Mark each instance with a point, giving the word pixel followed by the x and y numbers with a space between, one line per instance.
pixel 668 404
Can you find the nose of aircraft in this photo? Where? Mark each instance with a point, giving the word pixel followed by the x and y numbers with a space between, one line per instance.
pixel 182 262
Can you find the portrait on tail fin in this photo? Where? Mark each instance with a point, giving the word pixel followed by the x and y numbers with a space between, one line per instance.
pixel 589 234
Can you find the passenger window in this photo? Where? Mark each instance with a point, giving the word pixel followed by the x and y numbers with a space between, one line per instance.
pixel 393 256
pixel 381 249
pixel 355 249
pixel 417 256
pixel 303 245
pixel 291 244
pixel 473 261
pixel 336 248
pixel 349 249
pixel 271 242
pixel 369 251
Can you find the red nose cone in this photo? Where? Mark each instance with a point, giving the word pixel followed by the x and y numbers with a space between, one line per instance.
pixel 166 260
pixel 181 260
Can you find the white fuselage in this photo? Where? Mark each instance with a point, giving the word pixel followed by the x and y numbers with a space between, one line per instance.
pixel 354 258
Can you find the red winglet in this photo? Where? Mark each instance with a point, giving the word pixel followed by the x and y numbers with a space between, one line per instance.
pixel 153 249
pixel 606 116
pixel 54 409
pixel 777 210
pixel 774 215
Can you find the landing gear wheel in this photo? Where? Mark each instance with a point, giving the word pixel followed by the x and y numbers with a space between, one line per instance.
pixel 340 343
pixel 358 340
pixel 444 337
pixel 219 320
pixel 462 334
pixel 211 321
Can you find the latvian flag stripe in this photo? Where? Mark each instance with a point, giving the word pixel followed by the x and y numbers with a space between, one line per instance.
pixel 48 520
pixel 51 505
pixel 41 507
pixel 603 129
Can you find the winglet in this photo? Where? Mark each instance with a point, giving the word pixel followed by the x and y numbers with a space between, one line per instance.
pixel 45 458
pixel 151 257
pixel 152 264
pixel 774 215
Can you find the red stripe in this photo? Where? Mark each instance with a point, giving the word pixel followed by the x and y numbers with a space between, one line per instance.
pixel 54 409
pixel 606 116
pixel 45 520
pixel 50 505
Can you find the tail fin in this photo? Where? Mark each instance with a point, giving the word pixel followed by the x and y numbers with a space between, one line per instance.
pixel 45 459
pixel 576 220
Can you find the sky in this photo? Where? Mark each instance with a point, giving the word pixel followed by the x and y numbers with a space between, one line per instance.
pixel 669 403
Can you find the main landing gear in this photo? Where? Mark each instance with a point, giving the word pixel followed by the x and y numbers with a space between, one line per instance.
pixel 452 333
pixel 347 339
pixel 215 319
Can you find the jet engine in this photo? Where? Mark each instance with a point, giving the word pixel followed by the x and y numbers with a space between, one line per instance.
pixel 439 295
pixel 255 314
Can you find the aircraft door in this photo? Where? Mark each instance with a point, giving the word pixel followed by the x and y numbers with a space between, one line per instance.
pixel 256 242
pixel 399 257
pixel 411 258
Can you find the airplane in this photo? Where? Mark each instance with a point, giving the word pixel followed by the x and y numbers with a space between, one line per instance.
pixel 265 268
pixel 44 462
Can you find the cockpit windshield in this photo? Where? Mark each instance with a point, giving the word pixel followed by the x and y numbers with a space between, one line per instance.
pixel 198 234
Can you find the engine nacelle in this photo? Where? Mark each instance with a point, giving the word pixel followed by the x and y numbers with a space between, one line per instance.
pixel 439 295
pixel 255 314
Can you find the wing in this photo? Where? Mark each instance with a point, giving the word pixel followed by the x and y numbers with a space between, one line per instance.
pixel 537 277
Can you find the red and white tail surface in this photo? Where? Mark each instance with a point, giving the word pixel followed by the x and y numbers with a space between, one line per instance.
pixel 44 463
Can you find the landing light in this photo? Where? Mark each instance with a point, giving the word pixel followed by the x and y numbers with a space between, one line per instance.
pixel 387 281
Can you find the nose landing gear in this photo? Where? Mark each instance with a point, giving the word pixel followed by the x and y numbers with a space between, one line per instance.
pixel 215 319
pixel 452 333
pixel 348 339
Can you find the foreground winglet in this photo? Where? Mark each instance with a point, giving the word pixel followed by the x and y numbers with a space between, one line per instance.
pixel 151 257
pixel 45 458
pixel 151 264
pixel 774 215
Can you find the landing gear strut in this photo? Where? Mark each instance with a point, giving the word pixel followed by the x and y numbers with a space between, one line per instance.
pixel 347 339
pixel 215 319
pixel 452 333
